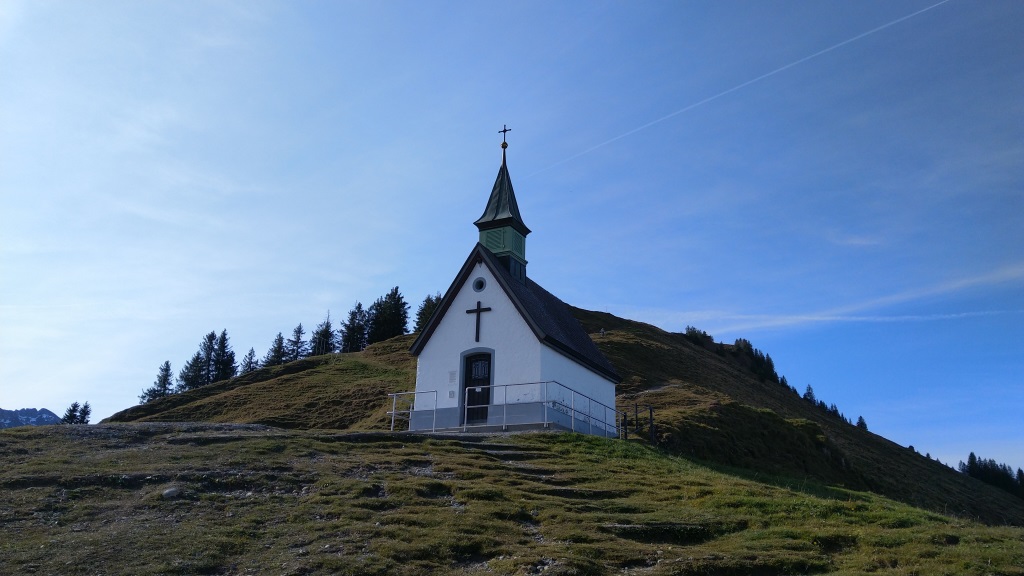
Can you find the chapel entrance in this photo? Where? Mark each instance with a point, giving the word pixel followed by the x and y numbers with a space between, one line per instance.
pixel 476 382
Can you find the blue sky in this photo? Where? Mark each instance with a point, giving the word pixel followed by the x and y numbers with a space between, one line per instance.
pixel 841 183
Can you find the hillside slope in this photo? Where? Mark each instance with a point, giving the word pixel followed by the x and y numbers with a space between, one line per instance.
pixel 708 405
pixel 166 498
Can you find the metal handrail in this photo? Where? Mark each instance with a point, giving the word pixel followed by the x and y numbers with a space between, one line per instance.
pixel 587 416
pixel 412 403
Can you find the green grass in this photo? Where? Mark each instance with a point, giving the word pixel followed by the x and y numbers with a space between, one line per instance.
pixel 709 406
pixel 87 500
pixel 336 391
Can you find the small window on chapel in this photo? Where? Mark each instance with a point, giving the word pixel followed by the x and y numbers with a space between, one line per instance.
pixel 479 284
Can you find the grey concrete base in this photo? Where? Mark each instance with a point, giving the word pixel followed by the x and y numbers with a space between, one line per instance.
pixel 525 416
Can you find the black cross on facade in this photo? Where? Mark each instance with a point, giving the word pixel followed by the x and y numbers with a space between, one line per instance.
pixel 503 131
pixel 478 311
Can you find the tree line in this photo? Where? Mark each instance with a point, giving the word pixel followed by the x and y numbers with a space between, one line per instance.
pixel 215 360
pixel 763 367
pixel 991 472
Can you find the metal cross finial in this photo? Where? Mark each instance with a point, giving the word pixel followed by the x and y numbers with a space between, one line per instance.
pixel 503 131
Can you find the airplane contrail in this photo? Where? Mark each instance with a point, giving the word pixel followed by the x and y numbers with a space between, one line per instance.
pixel 744 84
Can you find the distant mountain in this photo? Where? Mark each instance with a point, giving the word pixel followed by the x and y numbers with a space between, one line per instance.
pixel 27 417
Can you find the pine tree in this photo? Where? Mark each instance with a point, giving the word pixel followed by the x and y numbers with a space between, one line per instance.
pixel 193 374
pixel 809 394
pixel 223 360
pixel 388 317
pixel 71 414
pixel 201 368
pixel 77 414
pixel 276 355
pixel 323 339
pixel 161 387
pixel 769 368
pixel 861 423
pixel 207 349
pixel 249 362
pixel 295 348
pixel 353 330
pixel 84 413
pixel 426 310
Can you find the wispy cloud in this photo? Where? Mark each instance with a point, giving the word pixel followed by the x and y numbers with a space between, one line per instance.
pixel 851 312
pixel 724 321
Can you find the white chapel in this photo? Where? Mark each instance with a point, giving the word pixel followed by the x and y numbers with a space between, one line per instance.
pixel 500 352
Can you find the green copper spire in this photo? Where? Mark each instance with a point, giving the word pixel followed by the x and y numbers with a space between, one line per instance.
pixel 502 230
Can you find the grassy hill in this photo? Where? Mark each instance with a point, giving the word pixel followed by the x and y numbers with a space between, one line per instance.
pixel 183 498
pixel 746 478
pixel 336 391
pixel 708 403
pixel 711 406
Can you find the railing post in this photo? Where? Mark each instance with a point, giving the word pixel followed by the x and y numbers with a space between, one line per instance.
pixel 572 408
pixel 504 408
pixel 394 405
pixel 465 410
pixel 544 399
pixel 433 423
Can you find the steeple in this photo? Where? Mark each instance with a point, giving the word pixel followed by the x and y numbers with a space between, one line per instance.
pixel 502 230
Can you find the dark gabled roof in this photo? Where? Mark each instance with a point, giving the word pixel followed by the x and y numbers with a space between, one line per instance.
pixel 550 319
pixel 502 209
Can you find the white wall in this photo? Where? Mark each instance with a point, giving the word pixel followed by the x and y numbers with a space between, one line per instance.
pixel 567 372
pixel 517 353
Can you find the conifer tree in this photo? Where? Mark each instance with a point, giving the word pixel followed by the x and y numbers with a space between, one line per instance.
pixel 388 317
pixel 193 374
pixel 84 413
pixel 249 362
pixel 972 465
pixel 295 348
pixel 861 423
pixel 207 349
pixel 276 355
pixel 353 330
pixel 77 414
pixel 223 359
pixel 161 387
pixel 426 310
pixel 71 414
pixel 809 394
pixel 323 339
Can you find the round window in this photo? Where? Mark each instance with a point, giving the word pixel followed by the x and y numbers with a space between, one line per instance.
pixel 479 284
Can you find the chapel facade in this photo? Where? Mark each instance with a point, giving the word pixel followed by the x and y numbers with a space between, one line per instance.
pixel 500 351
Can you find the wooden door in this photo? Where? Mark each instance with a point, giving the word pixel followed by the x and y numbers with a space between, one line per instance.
pixel 477 378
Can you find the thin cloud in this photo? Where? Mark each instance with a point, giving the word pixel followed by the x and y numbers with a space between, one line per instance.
pixel 731 322
pixel 849 313
pixel 768 321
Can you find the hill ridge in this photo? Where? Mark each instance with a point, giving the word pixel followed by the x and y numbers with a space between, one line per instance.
pixel 708 405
